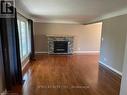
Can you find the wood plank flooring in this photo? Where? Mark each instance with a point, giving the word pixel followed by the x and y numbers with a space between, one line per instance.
pixel 68 75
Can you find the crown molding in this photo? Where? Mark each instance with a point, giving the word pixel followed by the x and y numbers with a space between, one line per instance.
pixel 24 13
pixel 55 21
pixel 109 15
pixel 98 19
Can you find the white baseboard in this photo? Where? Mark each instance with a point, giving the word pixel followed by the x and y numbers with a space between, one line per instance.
pixel 41 52
pixel 25 64
pixel 4 92
pixel 87 52
pixel 114 70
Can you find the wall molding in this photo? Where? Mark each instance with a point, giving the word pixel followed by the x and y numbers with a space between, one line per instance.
pixel 41 52
pixel 25 64
pixel 120 12
pixel 108 16
pixel 23 13
pixel 112 69
pixel 76 52
pixel 55 21
pixel 4 92
pixel 87 52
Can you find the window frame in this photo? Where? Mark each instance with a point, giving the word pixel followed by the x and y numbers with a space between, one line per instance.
pixel 27 33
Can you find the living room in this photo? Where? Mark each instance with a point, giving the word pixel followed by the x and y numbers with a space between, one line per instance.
pixel 63 47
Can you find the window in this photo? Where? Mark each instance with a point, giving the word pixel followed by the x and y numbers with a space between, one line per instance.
pixel 24 37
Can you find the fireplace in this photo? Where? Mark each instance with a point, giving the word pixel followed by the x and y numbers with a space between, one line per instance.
pixel 60 46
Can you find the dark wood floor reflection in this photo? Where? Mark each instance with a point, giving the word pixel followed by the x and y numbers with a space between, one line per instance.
pixel 69 75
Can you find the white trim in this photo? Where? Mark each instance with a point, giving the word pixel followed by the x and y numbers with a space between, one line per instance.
pixel 40 52
pixel 89 52
pixel 24 13
pixel 99 18
pixel 4 92
pixel 25 64
pixel 118 72
pixel 55 21
pixel 109 15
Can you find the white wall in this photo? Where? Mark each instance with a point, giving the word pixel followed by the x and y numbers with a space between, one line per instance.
pixel 113 42
pixel 86 37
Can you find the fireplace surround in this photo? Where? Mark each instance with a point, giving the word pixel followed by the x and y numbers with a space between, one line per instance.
pixel 60 44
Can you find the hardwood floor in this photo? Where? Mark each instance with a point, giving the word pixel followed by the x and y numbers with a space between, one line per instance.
pixel 68 75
